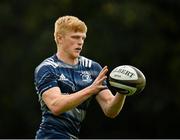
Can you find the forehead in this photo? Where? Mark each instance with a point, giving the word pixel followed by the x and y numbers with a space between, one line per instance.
pixel 73 33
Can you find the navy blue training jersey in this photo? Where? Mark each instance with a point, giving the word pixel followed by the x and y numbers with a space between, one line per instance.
pixel 52 72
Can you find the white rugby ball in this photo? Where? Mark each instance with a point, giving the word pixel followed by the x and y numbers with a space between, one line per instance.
pixel 127 78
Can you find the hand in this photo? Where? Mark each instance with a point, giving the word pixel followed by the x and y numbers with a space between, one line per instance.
pixel 121 91
pixel 97 85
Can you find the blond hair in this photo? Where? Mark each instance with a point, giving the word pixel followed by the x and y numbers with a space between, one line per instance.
pixel 66 24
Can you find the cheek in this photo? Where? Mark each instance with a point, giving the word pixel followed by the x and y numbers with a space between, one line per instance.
pixel 69 45
pixel 72 44
pixel 70 41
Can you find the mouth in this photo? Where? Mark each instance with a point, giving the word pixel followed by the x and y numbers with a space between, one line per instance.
pixel 78 49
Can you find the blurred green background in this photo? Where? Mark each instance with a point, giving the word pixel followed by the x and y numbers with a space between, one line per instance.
pixel 142 33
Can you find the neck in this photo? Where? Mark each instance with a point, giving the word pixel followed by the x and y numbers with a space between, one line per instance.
pixel 66 59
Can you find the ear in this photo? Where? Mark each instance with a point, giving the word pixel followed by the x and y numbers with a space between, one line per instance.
pixel 59 38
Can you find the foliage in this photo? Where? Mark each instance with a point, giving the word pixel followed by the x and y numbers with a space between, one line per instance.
pixel 141 33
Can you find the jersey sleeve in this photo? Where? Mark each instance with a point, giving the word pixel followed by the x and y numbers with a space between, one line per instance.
pixel 44 79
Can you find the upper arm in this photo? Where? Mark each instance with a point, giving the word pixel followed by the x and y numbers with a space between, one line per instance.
pixel 46 84
pixel 51 94
pixel 50 98
pixel 44 78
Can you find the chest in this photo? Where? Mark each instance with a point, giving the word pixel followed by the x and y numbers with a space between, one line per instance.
pixel 72 80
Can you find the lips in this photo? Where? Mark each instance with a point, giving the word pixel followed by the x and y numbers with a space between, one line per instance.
pixel 78 49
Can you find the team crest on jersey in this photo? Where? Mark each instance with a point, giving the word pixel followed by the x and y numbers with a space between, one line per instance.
pixel 86 76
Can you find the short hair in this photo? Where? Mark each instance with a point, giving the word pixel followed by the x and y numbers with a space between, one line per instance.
pixel 69 23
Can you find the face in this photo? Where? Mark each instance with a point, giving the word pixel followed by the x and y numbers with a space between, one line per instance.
pixel 71 44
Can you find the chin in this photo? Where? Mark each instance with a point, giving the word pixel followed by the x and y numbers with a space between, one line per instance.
pixel 76 55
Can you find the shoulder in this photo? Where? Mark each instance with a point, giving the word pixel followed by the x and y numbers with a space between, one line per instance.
pixel 45 69
pixel 86 62
pixel 48 63
pixel 91 65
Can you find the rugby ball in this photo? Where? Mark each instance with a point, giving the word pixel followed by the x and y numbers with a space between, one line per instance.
pixel 127 79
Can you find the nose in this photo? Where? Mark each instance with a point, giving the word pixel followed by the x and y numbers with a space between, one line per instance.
pixel 81 41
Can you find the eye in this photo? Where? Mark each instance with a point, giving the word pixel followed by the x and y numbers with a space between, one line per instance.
pixel 73 36
pixel 83 38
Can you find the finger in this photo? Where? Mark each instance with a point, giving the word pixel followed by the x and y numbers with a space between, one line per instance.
pixel 101 80
pixel 101 77
pixel 104 69
pixel 103 72
pixel 102 87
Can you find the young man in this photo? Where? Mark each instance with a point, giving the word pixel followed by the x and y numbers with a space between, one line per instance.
pixel 66 82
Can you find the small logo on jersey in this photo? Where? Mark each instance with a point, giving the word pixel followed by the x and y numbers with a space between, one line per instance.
pixel 67 82
pixel 62 78
pixel 86 76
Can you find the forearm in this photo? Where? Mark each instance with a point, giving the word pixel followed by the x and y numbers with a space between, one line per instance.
pixel 115 105
pixel 69 101
pixel 59 103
